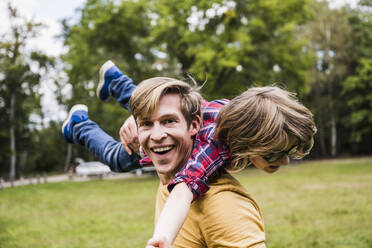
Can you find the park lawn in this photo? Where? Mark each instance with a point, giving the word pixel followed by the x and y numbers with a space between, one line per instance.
pixel 314 204
pixel 320 204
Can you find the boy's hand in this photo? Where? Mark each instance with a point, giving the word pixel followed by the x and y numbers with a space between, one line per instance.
pixel 129 136
pixel 158 243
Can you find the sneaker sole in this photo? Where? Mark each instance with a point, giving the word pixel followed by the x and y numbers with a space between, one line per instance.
pixel 72 110
pixel 107 65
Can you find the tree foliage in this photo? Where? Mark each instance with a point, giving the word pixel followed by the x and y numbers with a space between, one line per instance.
pixel 338 38
pixel 328 34
pixel 235 44
pixel 358 91
pixel 357 86
pixel 20 71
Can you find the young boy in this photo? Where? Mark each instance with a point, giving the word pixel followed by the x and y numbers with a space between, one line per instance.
pixel 262 126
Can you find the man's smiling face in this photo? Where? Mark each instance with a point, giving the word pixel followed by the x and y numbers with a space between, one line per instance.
pixel 166 136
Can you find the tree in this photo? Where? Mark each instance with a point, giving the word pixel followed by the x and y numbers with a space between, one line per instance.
pixel 235 44
pixel 19 84
pixel 106 30
pixel 329 38
pixel 357 87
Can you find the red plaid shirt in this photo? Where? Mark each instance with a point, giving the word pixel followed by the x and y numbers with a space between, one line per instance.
pixel 208 157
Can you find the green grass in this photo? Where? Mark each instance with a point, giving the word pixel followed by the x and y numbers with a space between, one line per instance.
pixel 320 204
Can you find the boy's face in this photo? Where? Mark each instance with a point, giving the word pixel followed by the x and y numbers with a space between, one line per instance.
pixel 278 159
pixel 166 137
pixel 262 164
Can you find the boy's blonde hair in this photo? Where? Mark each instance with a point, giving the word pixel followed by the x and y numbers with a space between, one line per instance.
pixel 146 97
pixel 263 120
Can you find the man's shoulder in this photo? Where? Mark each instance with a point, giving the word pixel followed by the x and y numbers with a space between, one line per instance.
pixel 227 186
pixel 227 216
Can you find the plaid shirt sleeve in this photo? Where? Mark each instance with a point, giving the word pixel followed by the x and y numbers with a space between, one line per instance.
pixel 145 161
pixel 208 157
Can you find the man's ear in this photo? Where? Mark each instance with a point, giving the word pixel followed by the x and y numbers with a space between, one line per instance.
pixel 195 125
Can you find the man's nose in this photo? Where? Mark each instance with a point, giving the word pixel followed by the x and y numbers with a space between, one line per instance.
pixel 158 133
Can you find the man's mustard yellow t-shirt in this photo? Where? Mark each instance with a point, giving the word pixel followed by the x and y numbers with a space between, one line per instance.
pixel 227 216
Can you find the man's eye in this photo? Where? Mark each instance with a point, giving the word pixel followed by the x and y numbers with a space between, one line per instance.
pixel 170 121
pixel 145 124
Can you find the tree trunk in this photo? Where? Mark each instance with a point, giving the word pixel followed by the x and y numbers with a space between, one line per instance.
pixel 68 157
pixel 13 152
pixel 323 147
pixel 21 164
pixel 334 136
pixel 332 116
pixel 332 109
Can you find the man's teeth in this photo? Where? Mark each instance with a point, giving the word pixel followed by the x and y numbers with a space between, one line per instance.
pixel 162 149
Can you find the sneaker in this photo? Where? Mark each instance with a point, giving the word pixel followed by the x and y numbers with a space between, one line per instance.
pixel 77 114
pixel 107 73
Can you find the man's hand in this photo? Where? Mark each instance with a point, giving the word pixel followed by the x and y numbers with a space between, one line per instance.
pixel 129 136
pixel 158 243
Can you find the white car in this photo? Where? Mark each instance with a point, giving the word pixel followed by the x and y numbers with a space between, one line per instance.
pixel 141 171
pixel 95 168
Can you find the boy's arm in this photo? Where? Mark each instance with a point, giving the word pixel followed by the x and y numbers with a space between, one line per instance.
pixel 208 156
pixel 207 160
pixel 129 136
pixel 158 243
pixel 190 183
pixel 173 214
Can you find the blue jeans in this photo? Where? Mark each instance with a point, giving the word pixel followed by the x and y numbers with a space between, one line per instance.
pixel 121 90
pixel 102 145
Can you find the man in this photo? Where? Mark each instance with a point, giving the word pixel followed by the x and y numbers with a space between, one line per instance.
pixel 168 119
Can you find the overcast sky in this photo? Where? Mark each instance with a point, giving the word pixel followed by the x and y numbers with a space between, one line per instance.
pixel 51 12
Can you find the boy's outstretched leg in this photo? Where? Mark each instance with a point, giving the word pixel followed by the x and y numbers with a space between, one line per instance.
pixel 113 83
pixel 78 129
pixel 77 114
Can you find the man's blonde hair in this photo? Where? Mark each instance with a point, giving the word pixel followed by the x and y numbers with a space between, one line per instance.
pixel 263 120
pixel 146 97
